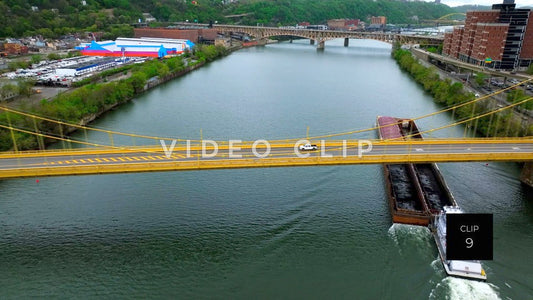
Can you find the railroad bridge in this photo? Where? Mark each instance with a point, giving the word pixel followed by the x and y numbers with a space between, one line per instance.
pixel 321 36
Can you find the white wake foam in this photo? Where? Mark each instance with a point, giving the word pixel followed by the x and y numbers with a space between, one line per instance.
pixel 464 289
pixel 410 237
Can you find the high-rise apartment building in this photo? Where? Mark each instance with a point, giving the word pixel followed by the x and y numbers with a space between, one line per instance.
pixel 500 38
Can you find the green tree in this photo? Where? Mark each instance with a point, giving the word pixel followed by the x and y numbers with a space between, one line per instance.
pixel 137 81
pixel 54 56
pixel 8 90
pixel 25 86
pixel 530 69
pixel 36 58
pixel 432 49
pixel 163 70
pixel 480 79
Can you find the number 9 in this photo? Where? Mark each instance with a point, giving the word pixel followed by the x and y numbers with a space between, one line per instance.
pixel 469 243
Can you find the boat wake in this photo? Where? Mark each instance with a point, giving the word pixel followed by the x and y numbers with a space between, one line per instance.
pixel 464 289
pixel 403 234
pixel 436 265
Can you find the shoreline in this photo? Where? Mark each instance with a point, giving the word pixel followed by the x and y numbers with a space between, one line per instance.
pixel 149 85
pixel 447 92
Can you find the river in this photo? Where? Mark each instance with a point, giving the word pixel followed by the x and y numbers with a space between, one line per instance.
pixel 313 232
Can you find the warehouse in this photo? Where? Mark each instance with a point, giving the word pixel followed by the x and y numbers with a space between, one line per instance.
pixel 133 47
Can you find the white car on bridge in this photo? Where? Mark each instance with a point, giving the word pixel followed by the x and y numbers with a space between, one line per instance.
pixel 308 147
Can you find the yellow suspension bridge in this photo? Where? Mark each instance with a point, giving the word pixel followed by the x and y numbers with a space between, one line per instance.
pixel 82 156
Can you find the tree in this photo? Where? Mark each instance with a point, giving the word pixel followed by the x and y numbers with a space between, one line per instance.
pixel 138 80
pixel 36 58
pixel 7 91
pixel 480 79
pixel 163 71
pixel 530 69
pixel 54 56
pixel 25 87
pixel 14 65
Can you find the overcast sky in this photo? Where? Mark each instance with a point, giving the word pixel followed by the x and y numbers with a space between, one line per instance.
pixel 484 2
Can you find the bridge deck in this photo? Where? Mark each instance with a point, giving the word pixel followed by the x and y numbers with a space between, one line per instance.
pixel 102 161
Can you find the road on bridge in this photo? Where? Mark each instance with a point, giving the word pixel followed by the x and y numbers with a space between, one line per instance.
pixel 101 161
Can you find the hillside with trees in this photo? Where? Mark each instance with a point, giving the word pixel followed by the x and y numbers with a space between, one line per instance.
pixel 319 11
pixel 465 8
pixel 53 18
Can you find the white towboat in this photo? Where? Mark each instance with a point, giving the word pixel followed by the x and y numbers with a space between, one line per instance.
pixel 470 269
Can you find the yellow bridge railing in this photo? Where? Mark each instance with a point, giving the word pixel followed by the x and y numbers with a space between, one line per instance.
pixel 147 166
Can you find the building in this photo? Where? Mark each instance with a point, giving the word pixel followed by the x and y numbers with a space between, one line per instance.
pixel 15 48
pixel 381 20
pixel 500 38
pixel 377 23
pixel 343 24
pixel 131 47
pixel 148 18
pixel 452 42
pixel 200 35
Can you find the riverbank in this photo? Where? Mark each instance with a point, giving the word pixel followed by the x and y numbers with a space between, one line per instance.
pixel 88 102
pixel 448 93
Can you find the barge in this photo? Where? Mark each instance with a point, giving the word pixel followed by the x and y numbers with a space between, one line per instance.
pixel 416 192
pixel 418 195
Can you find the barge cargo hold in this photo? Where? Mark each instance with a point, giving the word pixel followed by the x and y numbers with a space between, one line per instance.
pixel 416 192
pixel 406 200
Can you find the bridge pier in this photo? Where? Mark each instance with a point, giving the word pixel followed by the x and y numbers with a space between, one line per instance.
pixel 290 41
pixel 321 45
pixel 262 41
pixel 346 42
pixel 527 174
pixel 311 42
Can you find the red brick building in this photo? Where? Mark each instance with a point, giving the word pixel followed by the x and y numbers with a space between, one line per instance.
pixel 490 41
pixel 343 24
pixel 380 20
pixel 470 29
pixel 502 34
pixel 15 48
pixel 193 35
